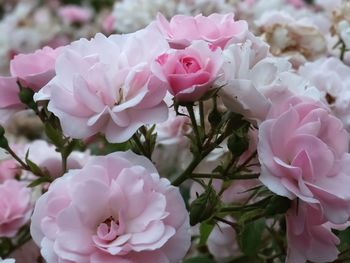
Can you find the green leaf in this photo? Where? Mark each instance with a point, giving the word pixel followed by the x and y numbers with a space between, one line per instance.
pixel 4 143
pixel 250 216
pixel 39 181
pixel 204 206
pixel 277 205
pixel 250 237
pixel 344 237
pixel 242 259
pixel 237 144
pixel 200 259
pixel 54 135
pixel 33 167
pixel 205 230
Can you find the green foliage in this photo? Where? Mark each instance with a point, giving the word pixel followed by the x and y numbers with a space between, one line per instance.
pixel 277 205
pixel 40 180
pixel 204 206
pixel 214 117
pixel 205 229
pixel 4 143
pixel 237 144
pixel 250 237
pixel 200 259
pixel 54 135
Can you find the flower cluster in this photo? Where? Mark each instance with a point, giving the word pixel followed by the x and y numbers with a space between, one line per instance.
pixel 211 131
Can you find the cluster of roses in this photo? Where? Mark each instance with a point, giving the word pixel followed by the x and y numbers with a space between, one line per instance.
pixel 116 208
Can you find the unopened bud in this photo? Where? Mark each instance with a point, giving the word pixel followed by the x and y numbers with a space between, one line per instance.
pixel 3 142
pixel 214 117
pixel 237 145
pixel 204 206
pixel 26 95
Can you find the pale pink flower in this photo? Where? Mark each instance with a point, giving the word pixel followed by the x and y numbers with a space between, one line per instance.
pixel 16 207
pixel 252 81
pixel 303 151
pixel 107 85
pixel 308 236
pixel 190 72
pixel 35 75
pixel 125 214
pixel 217 29
pixel 74 14
pixel 332 78
pixel 9 99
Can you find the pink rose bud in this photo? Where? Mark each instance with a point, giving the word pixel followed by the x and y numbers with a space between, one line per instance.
pixel 191 72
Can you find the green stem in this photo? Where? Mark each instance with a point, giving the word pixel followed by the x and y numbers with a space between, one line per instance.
pixel 256 205
pixel 244 164
pixel 342 51
pixel 232 224
pixel 64 163
pixel 201 114
pixel 19 160
pixel 195 126
pixel 219 176
pixel 186 174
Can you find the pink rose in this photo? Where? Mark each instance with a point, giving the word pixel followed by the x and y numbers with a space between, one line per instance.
pixel 106 85
pixel 191 72
pixel 308 236
pixel 16 207
pixel 126 214
pixel 217 29
pixel 74 14
pixel 303 151
pixel 9 99
pixel 35 75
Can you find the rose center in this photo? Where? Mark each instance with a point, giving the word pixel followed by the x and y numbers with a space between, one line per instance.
pixel 108 230
pixel 120 96
pixel 190 64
